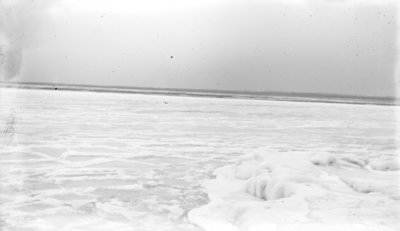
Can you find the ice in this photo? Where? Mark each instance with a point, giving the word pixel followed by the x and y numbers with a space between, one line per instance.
pixel 385 164
pixel 324 159
pixel 351 186
pixel 301 191
pixel 104 161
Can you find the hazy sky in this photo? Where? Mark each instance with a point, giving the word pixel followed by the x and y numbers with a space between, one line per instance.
pixel 342 47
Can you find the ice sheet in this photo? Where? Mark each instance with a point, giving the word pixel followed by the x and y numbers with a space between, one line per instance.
pixel 103 161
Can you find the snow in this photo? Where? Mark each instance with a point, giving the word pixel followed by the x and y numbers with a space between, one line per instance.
pixel 324 159
pixel 301 191
pixel 349 182
pixel 384 164
pixel 103 161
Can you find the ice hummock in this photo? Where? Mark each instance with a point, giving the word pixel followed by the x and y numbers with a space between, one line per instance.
pixel 293 190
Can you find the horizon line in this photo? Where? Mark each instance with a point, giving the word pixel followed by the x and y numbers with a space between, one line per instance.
pixel 212 93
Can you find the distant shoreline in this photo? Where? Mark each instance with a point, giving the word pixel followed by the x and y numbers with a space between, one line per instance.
pixel 276 96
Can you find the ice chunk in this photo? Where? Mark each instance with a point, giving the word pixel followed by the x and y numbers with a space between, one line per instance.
pixel 269 188
pixel 279 177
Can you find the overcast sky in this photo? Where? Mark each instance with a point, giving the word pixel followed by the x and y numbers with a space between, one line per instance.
pixel 339 46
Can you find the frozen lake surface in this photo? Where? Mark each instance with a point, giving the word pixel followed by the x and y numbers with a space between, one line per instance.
pixel 102 161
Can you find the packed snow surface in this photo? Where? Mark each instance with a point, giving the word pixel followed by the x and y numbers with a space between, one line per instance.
pixel 103 161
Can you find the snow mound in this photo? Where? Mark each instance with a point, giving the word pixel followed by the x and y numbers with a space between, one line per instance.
pixel 323 159
pixel 385 164
pixel 362 186
pixel 244 166
pixel 348 160
pixel 352 160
